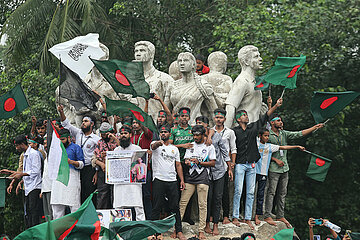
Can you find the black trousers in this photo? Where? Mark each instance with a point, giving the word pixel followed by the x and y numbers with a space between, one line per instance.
pixel 87 186
pixel 214 200
pixel 225 197
pixel 105 191
pixel 261 181
pixel 146 191
pixel 33 208
pixel 168 189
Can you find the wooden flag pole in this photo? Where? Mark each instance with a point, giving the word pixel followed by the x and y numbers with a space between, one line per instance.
pixel 323 123
pixel 282 94
pixel 269 89
pixel 307 152
pixel 59 78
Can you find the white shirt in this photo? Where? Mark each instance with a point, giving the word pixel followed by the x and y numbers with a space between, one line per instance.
pixel 46 181
pixel 265 150
pixel 229 139
pixel 87 143
pixel 163 162
pixel 32 166
pixel 203 153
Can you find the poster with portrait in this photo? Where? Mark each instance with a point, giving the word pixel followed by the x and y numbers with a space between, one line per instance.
pixel 107 216
pixel 123 167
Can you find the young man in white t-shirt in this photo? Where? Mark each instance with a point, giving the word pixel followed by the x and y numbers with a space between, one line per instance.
pixel 165 165
pixel 198 161
pixel 262 166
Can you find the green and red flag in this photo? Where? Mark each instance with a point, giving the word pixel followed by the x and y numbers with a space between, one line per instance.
pixel 124 77
pixel 125 108
pixel 13 102
pixel 260 83
pixel 284 234
pixel 318 167
pixel 2 191
pixel 325 105
pixel 285 71
pixel 142 229
pixel 82 224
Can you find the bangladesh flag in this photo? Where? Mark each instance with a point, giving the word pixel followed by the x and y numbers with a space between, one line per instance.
pixel 58 166
pixel 124 77
pixel 13 102
pixel 285 71
pixel 325 105
pixel 142 229
pixel 82 224
pixel 260 83
pixel 284 234
pixel 2 191
pixel 318 167
pixel 125 108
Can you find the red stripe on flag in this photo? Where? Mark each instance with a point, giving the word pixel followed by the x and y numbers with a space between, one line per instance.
pixel 138 115
pixel 96 234
pixel 62 236
pixel 293 71
pixel 260 85
pixel 121 78
pixel 327 102
pixel 57 134
pixel 319 162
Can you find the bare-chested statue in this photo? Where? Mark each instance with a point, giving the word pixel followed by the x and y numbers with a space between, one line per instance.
pixel 242 94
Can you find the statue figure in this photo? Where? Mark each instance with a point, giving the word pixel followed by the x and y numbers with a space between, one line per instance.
pixel 220 82
pixel 174 71
pixel 191 90
pixel 242 94
pixel 158 81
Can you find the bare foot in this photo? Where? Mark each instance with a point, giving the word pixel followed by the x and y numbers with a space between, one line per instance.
pixel 181 236
pixel 257 220
pixel 173 235
pixel 270 221
pixel 288 225
pixel 236 222
pixel 215 231
pixel 248 222
pixel 207 228
pixel 211 219
pixel 202 235
pixel 226 220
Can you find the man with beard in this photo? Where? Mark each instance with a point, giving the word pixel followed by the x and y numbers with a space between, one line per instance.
pixel 62 195
pixel 198 161
pixel 278 175
pixel 166 163
pixel 31 175
pixel 128 195
pixel 108 142
pixel 87 140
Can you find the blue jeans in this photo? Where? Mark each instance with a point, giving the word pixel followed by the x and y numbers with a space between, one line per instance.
pixel 242 170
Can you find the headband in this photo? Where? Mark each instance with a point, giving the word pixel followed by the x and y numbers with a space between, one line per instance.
pixel 248 238
pixel 127 123
pixel 105 131
pixel 88 118
pixel 103 114
pixel 219 113
pixel 240 114
pixel 164 129
pixel 30 140
pixel 65 135
pixel 161 113
pixel 274 119
pixel 197 133
pixel 184 112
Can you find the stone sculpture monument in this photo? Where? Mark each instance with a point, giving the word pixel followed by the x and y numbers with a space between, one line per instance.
pixel 158 81
pixel 242 94
pixel 191 90
pixel 174 70
pixel 220 82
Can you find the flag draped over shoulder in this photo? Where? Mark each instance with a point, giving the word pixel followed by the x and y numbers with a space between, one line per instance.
pixel 125 108
pixel 284 234
pixel 260 83
pixel 285 71
pixel 325 105
pixel 13 102
pixel 76 52
pixel 318 167
pixel 142 229
pixel 75 90
pixel 58 166
pixel 124 77
pixel 82 224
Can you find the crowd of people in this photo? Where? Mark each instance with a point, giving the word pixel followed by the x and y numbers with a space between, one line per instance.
pixel 183 159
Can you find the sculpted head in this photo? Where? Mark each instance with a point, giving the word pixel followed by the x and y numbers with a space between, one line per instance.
pixel 217 61
pixel 144 51
pixel 186 62
pixel 174 70
pixel 249 56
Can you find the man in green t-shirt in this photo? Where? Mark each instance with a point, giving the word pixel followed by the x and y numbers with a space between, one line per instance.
pixel 279 169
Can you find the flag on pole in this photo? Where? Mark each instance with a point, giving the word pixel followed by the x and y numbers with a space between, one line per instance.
pixel 142 229
pixel 325 105
pixel 58 166
pixel 260 83
pixel 285 71
pixel 2 191
pixel 82 224
pixel 125 108
pixel 318 167
pixel 284 234
pixel 75 90
pixel 13 102
pixel 124 77
pixel 76 52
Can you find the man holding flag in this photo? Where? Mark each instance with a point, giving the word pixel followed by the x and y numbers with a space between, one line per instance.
pixel 87 140
pixel 279 169
pixel 62 195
